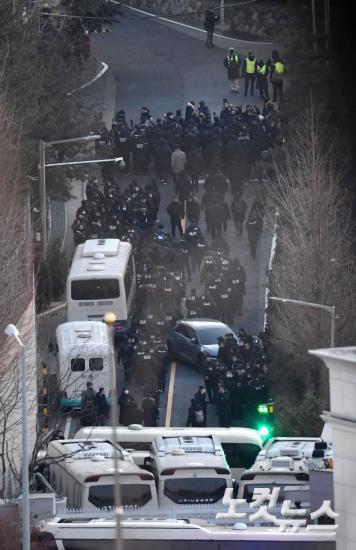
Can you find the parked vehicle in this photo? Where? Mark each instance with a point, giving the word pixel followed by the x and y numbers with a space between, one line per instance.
pixel 101 280
pixel 240 445
pixel 83 471
pixel 188 470
pixel 193 340
pixel 85 354
pixel 285 462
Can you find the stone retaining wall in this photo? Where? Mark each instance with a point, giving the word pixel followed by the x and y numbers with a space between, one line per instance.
pixel 262 21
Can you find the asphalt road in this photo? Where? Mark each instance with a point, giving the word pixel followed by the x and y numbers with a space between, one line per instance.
pixel 162 66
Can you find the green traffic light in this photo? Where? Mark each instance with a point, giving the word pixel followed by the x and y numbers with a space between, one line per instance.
pixel 263 431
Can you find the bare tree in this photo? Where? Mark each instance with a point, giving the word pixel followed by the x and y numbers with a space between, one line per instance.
pixel 16 282
pixel 314 258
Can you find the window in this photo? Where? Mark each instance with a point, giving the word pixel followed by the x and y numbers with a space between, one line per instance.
pixel 132 495
pixel 190 332
pixel 303 495
pixel 135 496
pixel 209 335
pixel 77 364
pixel 102 496
pixel 195 490
pixel 136 445
pixel 240 455
pixel 95 289
pixel 182 330
pixel 96 363
pixel 129 275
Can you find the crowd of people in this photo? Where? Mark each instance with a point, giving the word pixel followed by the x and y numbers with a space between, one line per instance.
pixel 224 151
pixel 235 382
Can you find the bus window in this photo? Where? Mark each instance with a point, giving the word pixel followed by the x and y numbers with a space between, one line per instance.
pixel 195 491
pixel 135 496
pixel 129 275
pixel 95 289
pixel 132 495
pixel 102 496
pixel 96 363
pixel 240 455
pixel 136 445
pixel 77 364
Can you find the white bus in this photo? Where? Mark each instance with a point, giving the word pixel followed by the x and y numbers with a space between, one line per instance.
pixel 102 279
pixel 240 445
pixel 85 354
pixel 176 534
pixel 285 462
pixel 83 471
pixel 189 470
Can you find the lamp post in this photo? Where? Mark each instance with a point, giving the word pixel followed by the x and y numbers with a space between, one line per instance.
pixel 109 319
pixel 330 309
pixel 42 176
pixel 12 331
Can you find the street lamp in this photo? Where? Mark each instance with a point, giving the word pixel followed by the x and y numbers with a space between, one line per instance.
pixel 11 330
pixel 109 319
pixel 330 309
pixel 42 176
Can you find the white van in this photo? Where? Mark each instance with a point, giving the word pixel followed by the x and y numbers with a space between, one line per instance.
pixel 240 445
pixel 85 354
pixel 83 471
pixel 102 279
pixel 285 463
pixel 189 470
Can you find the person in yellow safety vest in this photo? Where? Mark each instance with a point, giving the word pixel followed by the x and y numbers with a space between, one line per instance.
pixel 261 79
pixel 249 72
pixel 277 71
pixel 232 64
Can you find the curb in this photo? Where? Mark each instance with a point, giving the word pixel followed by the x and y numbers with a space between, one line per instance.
pixel 96 77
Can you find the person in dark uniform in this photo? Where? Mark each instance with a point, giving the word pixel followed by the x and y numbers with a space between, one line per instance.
pixel 200 397
pixel 209 26
pixel 195 415
pixel 150 411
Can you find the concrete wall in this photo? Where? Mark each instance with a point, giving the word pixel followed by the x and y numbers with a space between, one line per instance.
pixel 341 363
pixel 260 20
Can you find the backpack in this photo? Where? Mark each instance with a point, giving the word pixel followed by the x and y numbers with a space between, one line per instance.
pixel 199 416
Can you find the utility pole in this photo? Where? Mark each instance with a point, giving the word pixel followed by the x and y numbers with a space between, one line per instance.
pixel 222 13
pixel 314 25
pixel 327 23
pixel 43 199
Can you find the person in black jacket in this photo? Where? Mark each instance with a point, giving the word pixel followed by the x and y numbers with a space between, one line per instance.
pixel 201 398
pixel 101 408
pixel 195 415
pixel 209 26
pixel 176 214
pixel 150 411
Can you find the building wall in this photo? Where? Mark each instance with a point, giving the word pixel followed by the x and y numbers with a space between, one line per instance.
pixel 341 363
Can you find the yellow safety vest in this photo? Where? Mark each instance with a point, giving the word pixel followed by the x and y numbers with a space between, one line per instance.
pixel 279 67
pixel 235 58
pixel 250 66
pixel 262 70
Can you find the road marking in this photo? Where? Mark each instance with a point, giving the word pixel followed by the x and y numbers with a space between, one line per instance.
pixel 195 28
pixel 67 427
pixel 102 71
pixel 172 380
